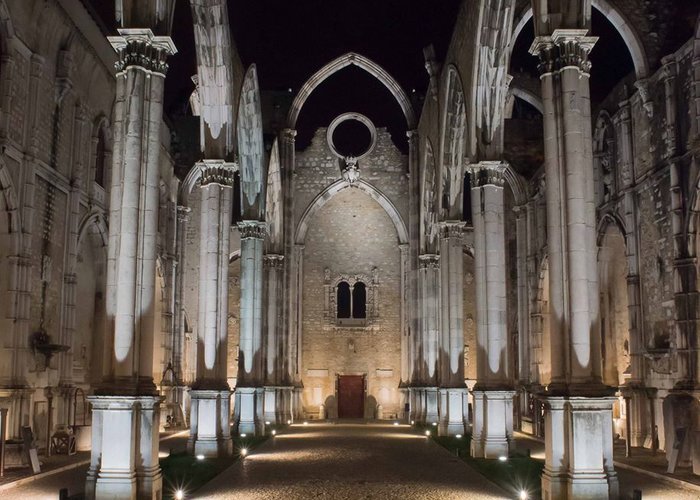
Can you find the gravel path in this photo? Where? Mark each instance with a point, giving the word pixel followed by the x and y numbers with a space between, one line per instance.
pixel 350 461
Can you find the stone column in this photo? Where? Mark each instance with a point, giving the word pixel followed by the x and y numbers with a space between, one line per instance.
pixel 183 217
pixel 275 393
pixel 414 339
pixel 250 384
pixel 429 279
pixel 493 393
pixel 128 401
pixel 578 407
pixel 210 394
pixel 452 335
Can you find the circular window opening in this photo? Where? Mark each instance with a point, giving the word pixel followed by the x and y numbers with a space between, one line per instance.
pixel 351 134
pixel 352 138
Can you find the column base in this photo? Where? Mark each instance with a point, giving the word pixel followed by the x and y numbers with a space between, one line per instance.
pixel 277 404
pixel 129 469
pixel 578 448
pixel 452 411
pixel 430 401
pixel 250 402
pixel 210 433
pixel 492 432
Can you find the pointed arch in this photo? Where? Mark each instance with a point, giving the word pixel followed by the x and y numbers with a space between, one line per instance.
pixel 274 200
pixel 618 20
pixel 340 185
pixel 251 150
pixel 352 59
pixel 428 204
pixel 453 136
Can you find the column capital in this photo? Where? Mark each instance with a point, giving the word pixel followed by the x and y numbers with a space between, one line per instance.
pixel 140 47
pixel 487 173
pixel 273 261
pixel 252 229
pixel 217 172
pixel 412 135
pixel 429 261
pixel 562 49
pixel 183 213
pixel 289 135
pixel 451 229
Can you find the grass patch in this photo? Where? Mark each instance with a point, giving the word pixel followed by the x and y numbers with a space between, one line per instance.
pixel 184 471
pixel 520 472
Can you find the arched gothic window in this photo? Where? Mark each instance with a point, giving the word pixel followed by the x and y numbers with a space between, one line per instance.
pixel 100 159
pixel 359 301
pixel 344 300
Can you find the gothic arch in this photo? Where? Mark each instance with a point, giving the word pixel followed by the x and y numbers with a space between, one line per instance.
pixel 621 24
pixel 429 197
pixel 607 219
pixel 529 97
pixel 215 81
pixel 339 186
pixel 352 59
pixel 251 150
pixel 93 220
pixel 453 135
pixel 274 200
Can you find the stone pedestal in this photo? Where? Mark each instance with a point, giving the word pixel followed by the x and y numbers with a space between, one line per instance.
pixel 431 405
pixel 210 433
pixel 578 461
pixel 277 404
pixel 250 404
pixel 452 411
pixel 125 429
pixel 493 423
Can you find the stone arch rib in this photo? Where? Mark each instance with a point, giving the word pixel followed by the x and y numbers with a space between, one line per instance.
pixel 352 59
pixel 338 186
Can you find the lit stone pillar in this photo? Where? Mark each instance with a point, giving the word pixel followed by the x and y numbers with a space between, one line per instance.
pixel 429 278
pixel 578 407
pixel 183 217
pixel 405 333
pixel 493 394
pixel 250 383
pixel 452 335
pixel 127 401
pixel 210 394
pixel 275 397
pixel 414 341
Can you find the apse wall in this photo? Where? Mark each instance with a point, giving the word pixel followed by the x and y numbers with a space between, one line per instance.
pixel 351 236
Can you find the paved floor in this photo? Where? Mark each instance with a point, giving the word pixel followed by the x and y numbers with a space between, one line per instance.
pixel 350 461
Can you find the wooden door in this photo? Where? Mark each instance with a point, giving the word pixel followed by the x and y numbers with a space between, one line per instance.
pixel 351 396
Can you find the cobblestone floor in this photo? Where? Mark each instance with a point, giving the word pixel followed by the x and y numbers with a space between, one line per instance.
pixel 350 461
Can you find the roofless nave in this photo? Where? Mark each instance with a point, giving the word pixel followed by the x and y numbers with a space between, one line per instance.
pixel 451 216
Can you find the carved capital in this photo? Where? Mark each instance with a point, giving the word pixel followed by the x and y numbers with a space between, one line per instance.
pixel 642 87
pixel 183 213
pixel 564 48
pixel 451 229
pixel 252 229
pixel 273 261
pixel 429 261
pixel 217 172
pixel 289 135
pixel 487 173
pixel 669 68
pixel 140 47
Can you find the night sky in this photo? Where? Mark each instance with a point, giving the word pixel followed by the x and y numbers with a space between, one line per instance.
pixel 290 40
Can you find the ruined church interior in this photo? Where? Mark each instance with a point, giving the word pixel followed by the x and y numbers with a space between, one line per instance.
pixel 350 249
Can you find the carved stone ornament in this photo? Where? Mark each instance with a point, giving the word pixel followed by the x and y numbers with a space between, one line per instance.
pixel 351 172
pixel 429 261
pixel 642 87
pixel 563 49
pixel 140 47
pixel 487 173
pixel 273 261
pixel 217 172
pixel 252 229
